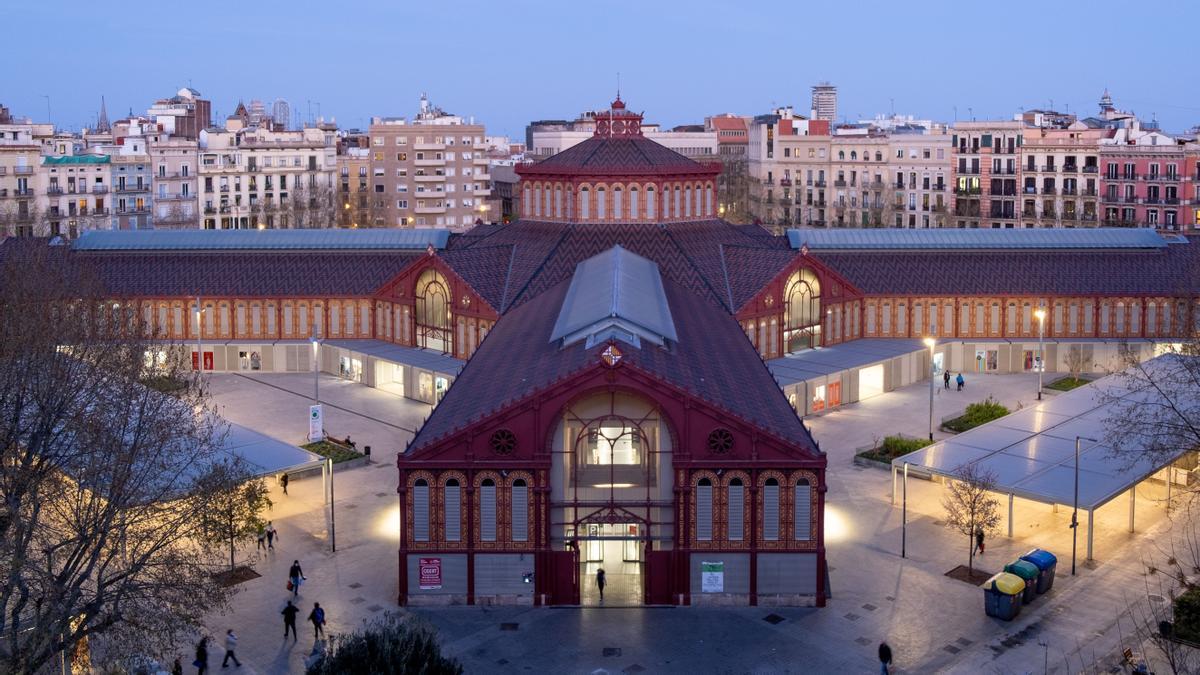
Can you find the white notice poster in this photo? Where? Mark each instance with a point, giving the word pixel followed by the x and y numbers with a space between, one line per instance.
pixel 316 423
pixel 712 577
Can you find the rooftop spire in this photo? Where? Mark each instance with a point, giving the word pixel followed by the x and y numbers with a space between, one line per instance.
pixel 102 124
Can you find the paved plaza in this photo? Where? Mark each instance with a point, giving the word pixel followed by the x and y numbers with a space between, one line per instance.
pixel 934 623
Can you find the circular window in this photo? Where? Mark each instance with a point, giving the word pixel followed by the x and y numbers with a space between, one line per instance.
pixel 720 441
pixel 503 442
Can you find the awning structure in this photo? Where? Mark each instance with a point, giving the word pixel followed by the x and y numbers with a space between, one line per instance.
pixel 1031 452
pixel 266 456
pixel 812 363
pixel 419 358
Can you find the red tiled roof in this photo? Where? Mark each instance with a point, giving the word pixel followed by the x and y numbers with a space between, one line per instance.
pixel 635 155
pixel 713 360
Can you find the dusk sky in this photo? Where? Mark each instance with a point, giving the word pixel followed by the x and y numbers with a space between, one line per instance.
pixel 506 63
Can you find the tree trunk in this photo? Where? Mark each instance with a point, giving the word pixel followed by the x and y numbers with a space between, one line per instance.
pixel 232 537
pixel 971 556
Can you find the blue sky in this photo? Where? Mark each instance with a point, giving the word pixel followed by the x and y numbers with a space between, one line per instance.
pixel 511 61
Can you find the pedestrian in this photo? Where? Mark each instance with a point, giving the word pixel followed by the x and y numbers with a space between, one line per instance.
pixel 317 617
pixel 600 581
pixel 295 578
pixel 979 540
pixel 283 480
pixel 885 658
pixel 201 661
pixel 289 619
pixel 946 378
pixel 230 647
pixel 271 535
pixel 262 539
pixel 960 380
pixel 177 669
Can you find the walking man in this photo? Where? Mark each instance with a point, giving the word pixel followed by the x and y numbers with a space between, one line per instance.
pixel 600 583
pixel 317 617
pixel 283 480
pixel 960 380
pixel 230 646
pixel 885 658
pixel 289 619
pixel 979 541
pixel 946 378
pixel 201 661
pixel 262 539
pixel 295 578
pixel 271 534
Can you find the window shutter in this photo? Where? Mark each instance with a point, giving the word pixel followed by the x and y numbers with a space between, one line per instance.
pixel 704 512
pixel 421 512
pixel 520 511
pixel 736 508
pixel 803 511
pixel 771 512
pixel 487 512
pixel 453 513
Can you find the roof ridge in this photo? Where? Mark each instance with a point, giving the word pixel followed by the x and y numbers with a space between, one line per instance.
pixel 512 257
pixel 725 272
pixel 695 268
pixel 542 263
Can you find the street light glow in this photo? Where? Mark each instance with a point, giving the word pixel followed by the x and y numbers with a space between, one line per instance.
pixel 1040 314
pixel 929 342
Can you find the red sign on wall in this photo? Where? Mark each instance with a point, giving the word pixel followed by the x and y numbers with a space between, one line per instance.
pixel 430 574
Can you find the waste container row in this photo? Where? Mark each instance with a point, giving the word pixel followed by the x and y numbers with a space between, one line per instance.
pixel 1020 582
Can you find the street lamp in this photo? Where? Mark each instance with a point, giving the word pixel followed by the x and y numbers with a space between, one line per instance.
pixel 316 345
pixel 1041 364
pixel 1075 508
pixel 931 343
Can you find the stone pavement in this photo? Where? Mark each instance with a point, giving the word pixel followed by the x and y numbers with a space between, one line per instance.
pixel 934 624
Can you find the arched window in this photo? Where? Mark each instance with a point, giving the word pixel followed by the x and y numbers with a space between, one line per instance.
pixel 601 205
pixel 802 311
pixel 841 154
pixel 675 209
pixel 487 510
pixel 558 201
pixel 708 195
pixel 803 520
pixel 687 202
pixel 853 154
pixel 421 510
pixel 452 510
pixel 585 203
pixel 634 212
pixel 704 510
pixel 735 510
pixel 618 213
pixel 432 310
pixel 650 204
pixel 771 510
pixel 520 511
pixel 878 156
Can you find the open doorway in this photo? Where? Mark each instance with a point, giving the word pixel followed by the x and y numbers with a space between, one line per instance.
pixel 615 548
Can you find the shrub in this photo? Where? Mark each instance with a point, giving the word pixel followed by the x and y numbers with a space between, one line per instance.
pixel 388 644
pixel 892 447
pixel 339 453
pixel 1067 383
pixel 976 414
pixel 1187 615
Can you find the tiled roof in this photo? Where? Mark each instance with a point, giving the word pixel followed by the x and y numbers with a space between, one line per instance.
pixel 1173 270
pixel 712 360
pixel 626 155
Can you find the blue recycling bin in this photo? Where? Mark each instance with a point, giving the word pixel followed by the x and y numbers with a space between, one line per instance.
pixel 1046 564
pixel 1002 596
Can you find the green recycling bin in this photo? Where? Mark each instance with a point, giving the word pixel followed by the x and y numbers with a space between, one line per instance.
pixel 1029 573
pixel 1002 596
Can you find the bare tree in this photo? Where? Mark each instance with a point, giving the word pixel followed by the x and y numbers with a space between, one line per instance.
pixel 1076 362
pixel 234 515
pixel 1162 420
pixel 103 479
pixel 971 506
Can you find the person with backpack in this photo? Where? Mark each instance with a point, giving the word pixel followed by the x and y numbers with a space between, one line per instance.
pixel 960 380
pixel 317 617
pixel 289 619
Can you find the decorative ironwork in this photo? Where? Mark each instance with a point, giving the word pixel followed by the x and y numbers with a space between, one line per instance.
pixel 611 355
pixel 503 442
pixel 720 441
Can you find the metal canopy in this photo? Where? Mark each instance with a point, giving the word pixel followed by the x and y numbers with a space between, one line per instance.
pixel 613 293
pixel 979 239
pixel 411 356
pixel 1032 451
pixel 261 240
pixel 812 363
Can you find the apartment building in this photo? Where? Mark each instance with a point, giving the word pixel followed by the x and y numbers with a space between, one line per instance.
pixel 733 185
pixel 74 193
pixel 918 171
pixel 1060 176
pixel 431 171
pixel 257 178
pixel 20 153
pixel 986 173
pixel 824 102
pixel 858 167
pixel 132 173
pixel 354 185
pixel 185 114
pixel 174 161
pixel 788 165
pixel 1148 179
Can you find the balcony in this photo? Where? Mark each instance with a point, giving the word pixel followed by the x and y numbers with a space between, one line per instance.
pixel 1088 217
pixel 1091 168
pixel 430 179
pixel 1029 213
pixel 99 189
pixel 1152 200
pixel 1153 176
pixel 1006 192
pixel 820 203
pixel 132 188
pixel 482 192
pixel 874 185
pixel 1004 171
pixel 969 171
pixel 964 150
pixel 3 170
pixel 1049 168
pixel 429 146
pixel 968 191
pixel 939 186
pixel 22 170
pixel 22 192
pixel 54 190
pixel 487 176
pixel 785 182
pixel 208 210
pixel 173 197
pixel 424 210
pixel 429 162
pixel 1088 193
pixel 1070 168
pixel 1069 191
pixel 969 213
pixel 225 209
pixel 1129 176
pixel 820 183
pixel 1049 190
pixel 1172 201
pixel 1119 223
pixel 1130 200
pixel 224 188
pixel 839 183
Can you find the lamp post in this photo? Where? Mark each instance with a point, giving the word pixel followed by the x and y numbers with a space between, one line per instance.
pixel 931 343
pixel 1075 508
pixel 199 347
pixel 904 517
pixel 1041 364
pixel 316 345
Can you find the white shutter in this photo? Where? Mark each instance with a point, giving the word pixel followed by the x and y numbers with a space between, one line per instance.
pixel 520 512
pixel 453 510
pixel 771 512
pixel 704 512
pixel 364 320
pixel 487 512
pixel 421 512
pixel 736 509
pixel 803 512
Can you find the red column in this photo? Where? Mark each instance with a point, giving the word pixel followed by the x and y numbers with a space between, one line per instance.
pixel 821 540
pixel 402 491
